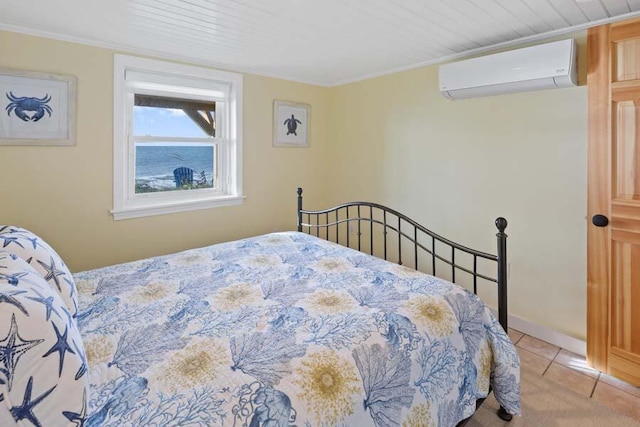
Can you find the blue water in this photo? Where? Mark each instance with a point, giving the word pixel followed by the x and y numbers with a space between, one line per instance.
pixel 155 163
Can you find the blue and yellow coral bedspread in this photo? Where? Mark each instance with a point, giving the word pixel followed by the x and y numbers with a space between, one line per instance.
pixel 287 329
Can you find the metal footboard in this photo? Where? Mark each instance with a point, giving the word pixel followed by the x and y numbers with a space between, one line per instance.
pixel 384 232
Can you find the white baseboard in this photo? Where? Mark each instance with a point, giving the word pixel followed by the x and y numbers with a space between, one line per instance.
pixel 549 335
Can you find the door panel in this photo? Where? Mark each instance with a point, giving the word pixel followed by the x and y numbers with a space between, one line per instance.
pixel 627 150
pixel 613 252
pixel 628 60
pixel 625 317
pixel 624 365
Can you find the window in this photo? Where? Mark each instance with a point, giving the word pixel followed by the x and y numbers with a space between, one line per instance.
pixel 177 138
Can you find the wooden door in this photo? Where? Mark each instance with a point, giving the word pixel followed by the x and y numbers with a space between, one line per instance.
pixel 613 249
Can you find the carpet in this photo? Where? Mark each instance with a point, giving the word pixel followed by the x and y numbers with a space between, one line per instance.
pixel 546 404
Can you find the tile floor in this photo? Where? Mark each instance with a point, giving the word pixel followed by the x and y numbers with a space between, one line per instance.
pixel 571 371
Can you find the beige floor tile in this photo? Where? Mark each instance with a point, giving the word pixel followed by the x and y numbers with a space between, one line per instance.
pixel 573 380
pixel 575 362
pixel 619 384
pixel 515 335
pixel 532 362
pixel 539 347
pixel 571 371
pixel 617 400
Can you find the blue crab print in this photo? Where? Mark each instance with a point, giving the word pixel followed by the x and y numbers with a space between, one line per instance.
pixel 20 105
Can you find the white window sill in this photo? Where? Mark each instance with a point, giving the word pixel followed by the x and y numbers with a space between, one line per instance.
pixel 182 206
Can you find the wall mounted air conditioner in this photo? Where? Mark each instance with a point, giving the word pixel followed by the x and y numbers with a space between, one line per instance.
pixel 545 66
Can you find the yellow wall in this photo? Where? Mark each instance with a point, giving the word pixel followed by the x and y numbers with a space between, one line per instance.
pixel 64 194
pixel 457 165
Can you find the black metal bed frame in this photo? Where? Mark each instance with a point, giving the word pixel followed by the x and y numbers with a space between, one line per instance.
pixel 392 221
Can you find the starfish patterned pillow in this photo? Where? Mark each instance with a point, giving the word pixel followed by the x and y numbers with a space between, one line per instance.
pixel 43 370
pixel 44 259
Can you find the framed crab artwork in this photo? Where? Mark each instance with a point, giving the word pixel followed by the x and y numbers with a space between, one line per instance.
pixel 37 108
pixel 291 124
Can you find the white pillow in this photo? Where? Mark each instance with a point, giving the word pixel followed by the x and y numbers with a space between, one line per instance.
pixel 43 259
pixel 43 371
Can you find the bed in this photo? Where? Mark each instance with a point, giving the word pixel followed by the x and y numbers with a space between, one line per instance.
pixel 291 329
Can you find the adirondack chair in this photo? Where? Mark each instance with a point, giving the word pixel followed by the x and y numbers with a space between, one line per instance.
pixel 183 176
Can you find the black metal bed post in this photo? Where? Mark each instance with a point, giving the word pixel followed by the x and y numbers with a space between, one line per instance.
pixel 501 224
pixel 299 209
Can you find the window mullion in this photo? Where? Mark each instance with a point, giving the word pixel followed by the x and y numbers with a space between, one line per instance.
pixel 225 153
pixel 144 139
pixel 130 147
pixel 223 156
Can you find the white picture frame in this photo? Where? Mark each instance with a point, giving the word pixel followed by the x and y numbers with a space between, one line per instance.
pixel 37 108
pixel 291 122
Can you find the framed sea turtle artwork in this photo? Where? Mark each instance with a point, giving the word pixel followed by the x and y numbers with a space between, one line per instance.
pixel 291 124
pixel 37 108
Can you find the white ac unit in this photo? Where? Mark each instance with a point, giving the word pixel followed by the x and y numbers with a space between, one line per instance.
pixel 545 66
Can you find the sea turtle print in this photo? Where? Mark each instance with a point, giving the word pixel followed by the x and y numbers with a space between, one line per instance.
pixel 292 125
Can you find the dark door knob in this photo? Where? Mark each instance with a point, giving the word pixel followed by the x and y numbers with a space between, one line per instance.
pixel 600 220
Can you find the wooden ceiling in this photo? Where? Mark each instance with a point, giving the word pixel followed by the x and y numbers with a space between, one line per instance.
pixel 325 42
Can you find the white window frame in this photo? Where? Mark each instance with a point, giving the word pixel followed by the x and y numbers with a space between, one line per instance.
pixel 187 82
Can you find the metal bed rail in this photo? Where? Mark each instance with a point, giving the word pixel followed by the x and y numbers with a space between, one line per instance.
pixel 359 218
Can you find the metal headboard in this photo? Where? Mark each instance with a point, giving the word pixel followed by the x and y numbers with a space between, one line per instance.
pixel 326 224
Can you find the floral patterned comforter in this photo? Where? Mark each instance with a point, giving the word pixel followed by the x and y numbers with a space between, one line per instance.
pixel 286 329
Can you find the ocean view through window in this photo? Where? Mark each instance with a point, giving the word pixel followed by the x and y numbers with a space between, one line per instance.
pixel 156 120
pixel 177 137
pixel 155 165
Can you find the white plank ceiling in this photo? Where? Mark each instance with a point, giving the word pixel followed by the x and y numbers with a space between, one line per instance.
pixel 326 42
